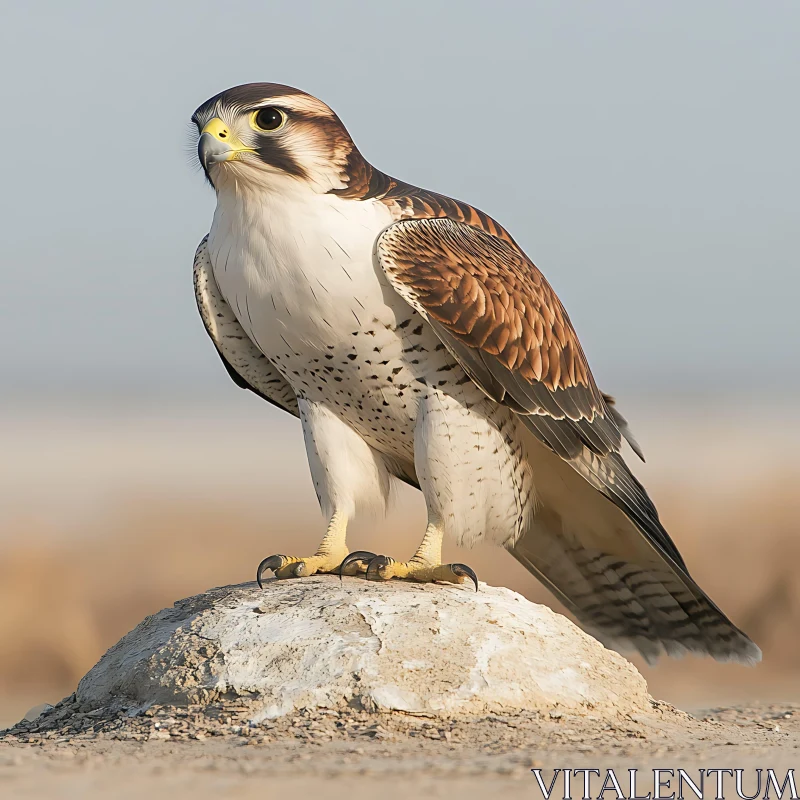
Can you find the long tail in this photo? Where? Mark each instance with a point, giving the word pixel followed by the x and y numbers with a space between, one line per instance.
pixel 628 587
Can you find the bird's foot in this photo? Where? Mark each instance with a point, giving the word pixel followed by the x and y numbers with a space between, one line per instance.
pixel 383 568
pixel 297 567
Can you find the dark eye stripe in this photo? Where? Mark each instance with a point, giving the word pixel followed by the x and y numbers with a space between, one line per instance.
pixel 272 152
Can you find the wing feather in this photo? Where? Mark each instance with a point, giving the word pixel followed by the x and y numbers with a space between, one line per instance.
pixel 612 563
pixel 502 321
pixel 246 364
pixel 496 312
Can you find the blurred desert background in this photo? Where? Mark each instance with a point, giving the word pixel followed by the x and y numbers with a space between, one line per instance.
pixel 110 513
pixel 644 155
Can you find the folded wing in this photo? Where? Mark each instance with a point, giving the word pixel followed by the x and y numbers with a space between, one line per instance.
pixel 245 363
pixel 596 539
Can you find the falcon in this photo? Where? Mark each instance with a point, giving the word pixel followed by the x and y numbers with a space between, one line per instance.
pixel 416 342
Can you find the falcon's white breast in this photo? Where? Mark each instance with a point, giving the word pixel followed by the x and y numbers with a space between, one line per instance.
pixel 299 274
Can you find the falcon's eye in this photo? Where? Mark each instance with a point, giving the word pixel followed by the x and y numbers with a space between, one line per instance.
pixel 268 119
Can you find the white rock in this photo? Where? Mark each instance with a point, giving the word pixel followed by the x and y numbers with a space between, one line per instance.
pixel 322 642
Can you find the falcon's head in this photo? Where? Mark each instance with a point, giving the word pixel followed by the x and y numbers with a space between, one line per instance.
pixel 266 134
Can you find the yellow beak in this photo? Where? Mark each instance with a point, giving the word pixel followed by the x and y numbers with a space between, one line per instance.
pixel 218 143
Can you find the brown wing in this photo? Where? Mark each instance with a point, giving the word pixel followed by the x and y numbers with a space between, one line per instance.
pixel 494 309
pixel 622 576
pixel 502 321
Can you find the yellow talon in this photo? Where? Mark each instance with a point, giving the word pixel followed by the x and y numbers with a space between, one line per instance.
pixel 330 554
pixel 383 568
pixel 297 567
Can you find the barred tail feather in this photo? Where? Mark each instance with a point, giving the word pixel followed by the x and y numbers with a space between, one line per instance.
pixel 621 584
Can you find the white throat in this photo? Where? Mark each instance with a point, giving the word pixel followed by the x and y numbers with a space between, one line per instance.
pixel 293 263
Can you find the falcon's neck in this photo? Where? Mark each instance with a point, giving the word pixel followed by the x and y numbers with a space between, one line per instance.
pixel 406 201
pixel 352 184
pixel 288 233
pixel 296 266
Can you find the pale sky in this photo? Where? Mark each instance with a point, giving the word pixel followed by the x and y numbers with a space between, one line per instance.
pixel 645 155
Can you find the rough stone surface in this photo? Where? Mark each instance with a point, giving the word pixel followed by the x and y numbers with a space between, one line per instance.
pixel 324 643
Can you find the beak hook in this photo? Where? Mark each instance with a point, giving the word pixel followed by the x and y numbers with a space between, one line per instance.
pixel 218 143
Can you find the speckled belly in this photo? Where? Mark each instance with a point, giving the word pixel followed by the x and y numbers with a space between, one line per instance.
pixel 375 377
pixel 302 284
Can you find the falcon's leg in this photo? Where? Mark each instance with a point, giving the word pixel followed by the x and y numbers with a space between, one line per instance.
pixel 332 549
pixel 446 435
pixel 347 475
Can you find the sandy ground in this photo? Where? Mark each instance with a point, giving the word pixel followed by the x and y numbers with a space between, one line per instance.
pixel 213 752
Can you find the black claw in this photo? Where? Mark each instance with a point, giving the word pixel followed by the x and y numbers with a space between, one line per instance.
pixel 271 562
pixel 463 571
pixel 358 555
pixel 374 565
